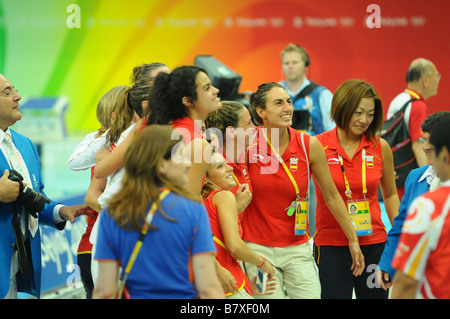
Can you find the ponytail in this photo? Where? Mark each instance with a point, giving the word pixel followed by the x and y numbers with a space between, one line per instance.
pixel 123 117
pixel 258 99
pixel 106 105
pixel 165 102
pixel 161 100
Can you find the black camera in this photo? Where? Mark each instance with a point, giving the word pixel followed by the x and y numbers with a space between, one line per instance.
pixel 33 202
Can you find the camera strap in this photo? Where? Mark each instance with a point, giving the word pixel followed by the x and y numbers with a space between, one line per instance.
pixel 24 262
pixel 17 163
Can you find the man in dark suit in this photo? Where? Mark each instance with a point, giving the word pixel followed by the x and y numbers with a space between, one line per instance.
pixel 20 260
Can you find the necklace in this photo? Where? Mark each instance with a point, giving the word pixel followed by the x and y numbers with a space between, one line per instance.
pixel 349 144
pixel 347 147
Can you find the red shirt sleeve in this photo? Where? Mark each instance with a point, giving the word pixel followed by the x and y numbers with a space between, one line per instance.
pixel 418 114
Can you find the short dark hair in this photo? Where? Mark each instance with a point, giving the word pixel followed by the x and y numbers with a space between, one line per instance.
pixel 347 98
pixel 431 120
pixel 439 135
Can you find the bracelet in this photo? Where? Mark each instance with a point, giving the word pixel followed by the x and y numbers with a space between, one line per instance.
pixel 264 261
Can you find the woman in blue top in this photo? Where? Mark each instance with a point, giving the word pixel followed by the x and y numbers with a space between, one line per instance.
pixel 178 243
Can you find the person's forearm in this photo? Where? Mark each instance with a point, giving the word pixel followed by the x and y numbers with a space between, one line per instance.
pixel 98 293
pixel 339 211
pixel 241 251
pixel 206 280
pixel 94 191
pixel 92 201
pixel 392 205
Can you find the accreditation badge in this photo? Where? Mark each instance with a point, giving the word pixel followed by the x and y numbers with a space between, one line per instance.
pixel 301 216
pixel 360 216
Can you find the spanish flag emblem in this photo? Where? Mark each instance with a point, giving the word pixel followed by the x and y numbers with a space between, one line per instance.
pixel 293 163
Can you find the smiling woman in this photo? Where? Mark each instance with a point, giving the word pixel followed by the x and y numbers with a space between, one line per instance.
pixel 220 203
pixel 184 98
pixel 366 162
pixel 275 223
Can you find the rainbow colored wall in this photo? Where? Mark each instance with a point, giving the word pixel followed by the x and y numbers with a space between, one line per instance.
pixel 43 55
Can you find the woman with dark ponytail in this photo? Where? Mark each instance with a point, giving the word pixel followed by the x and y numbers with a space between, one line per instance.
pixel 281 163
pixel 182 99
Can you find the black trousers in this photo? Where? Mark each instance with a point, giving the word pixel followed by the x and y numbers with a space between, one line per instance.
pixel 84 262
pixel 336 278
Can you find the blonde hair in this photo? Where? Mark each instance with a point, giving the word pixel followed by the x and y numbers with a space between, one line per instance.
pixel 123 116
pixel 142 179
pixel 106 105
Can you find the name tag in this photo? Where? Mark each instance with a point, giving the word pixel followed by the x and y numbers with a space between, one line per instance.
pixel 301 217
pixel 360 216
